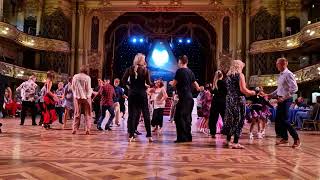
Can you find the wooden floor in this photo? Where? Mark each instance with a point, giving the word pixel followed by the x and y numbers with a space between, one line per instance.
pixel 28 152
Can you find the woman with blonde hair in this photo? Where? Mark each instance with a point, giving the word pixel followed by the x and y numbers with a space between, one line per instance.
pixel 218 103
pixel 235 103
pixel 138 100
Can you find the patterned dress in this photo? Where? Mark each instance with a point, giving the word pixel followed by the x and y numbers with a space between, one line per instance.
pixel 235 107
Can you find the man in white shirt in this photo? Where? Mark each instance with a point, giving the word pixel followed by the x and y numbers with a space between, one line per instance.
pixel 28 93
pixel 82 91
pixel 287 86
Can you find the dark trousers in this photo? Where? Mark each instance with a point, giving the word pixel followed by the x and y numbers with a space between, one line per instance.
pixel 282 123
pixel 157 117
pixel 137 103
pixel 217 107
pixel 60 111
pixel 103 115
pixel 183 118
pixel 26 105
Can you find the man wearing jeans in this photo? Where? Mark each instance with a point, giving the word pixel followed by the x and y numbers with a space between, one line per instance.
pixel 287 86
pixel 107 94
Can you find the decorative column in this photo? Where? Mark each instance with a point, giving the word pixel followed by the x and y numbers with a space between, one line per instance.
pixel 239 32
pixel 20 19
pixel 37 60
pixel 1 10
pixel 73 40
pixel 81 59
pixel 283 4
pixel 248 65
pixel 39 16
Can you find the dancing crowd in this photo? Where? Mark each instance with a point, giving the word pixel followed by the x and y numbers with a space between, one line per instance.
pixel 223 105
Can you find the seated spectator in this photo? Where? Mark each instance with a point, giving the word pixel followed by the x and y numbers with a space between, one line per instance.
pixel 300 103
pixel 300 116
pixel 9 106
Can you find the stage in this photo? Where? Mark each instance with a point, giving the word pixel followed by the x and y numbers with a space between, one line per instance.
pixel 29 152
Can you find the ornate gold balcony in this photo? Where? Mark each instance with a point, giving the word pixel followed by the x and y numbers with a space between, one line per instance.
pixel 11 70
pixel 10 32
pixel 303 75
pixel 309 32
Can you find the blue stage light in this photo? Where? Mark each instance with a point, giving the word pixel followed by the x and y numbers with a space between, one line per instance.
pixel 180 40
pixel 141 40
pixel 188 41
pixel 134 40
pixel 160 57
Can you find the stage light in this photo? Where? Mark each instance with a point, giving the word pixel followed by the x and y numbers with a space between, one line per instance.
pixel 188 41
pixel 180 41
pixel 171 45
pixel 160 57
pixel 141 40
pixel 134 40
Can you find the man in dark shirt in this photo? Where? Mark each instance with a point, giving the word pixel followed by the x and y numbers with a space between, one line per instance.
pixel 184 81
pixel 107 94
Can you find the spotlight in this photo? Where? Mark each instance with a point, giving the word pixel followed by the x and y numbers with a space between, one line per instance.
pixel 180 40
pixel 134 40
pixel 188 41
pixel 141 40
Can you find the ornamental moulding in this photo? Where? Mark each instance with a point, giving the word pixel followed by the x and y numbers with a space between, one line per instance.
pixel 44 44
pixel 309 32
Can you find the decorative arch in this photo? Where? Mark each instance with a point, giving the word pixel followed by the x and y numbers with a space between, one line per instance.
pixel 160 26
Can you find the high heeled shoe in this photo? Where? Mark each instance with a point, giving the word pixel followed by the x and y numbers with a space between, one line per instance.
pixel 131 139
pixel 150 139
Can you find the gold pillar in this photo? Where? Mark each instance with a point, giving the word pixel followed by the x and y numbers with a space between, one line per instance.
pixel 1 10
pixel 283 4
pixel 37 61
pixel 81 59
pixel 20 19
pixel 247 44
pixel 219 41
pixel 39 16
pixel 73 41
pixel 239 32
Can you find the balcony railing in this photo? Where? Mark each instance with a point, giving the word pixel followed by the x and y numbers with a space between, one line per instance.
pixel 308 33
pixel 14 71
pixel 11 32
pixel 303 75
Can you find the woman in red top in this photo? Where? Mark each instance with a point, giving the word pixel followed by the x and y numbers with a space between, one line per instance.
pixel 49 113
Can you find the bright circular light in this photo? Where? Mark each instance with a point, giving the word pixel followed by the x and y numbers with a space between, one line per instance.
pixel 188 41
pixel 180 40
pixel 141 40
pixel 160 57
pixel 134 40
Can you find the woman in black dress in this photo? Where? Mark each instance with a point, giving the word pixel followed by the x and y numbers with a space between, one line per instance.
pixel 138 100
pixel 218 103
pixel 235 103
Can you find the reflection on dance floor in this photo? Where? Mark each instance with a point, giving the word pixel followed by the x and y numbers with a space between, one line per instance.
pixel 29 152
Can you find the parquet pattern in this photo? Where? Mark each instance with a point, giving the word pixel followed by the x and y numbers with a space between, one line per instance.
pixel 29 152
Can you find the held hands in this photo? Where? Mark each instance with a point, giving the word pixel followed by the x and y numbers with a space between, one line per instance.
pixel 201 88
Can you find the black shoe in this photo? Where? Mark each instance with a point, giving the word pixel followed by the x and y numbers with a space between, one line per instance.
pixel 137 132
pixel 99 128
pixel 34 124
pixel 61 122
pixel 108 128
pixel 21 124
pixel 95 122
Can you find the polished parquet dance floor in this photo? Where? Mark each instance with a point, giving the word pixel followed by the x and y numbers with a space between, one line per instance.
pixel 29 152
